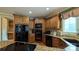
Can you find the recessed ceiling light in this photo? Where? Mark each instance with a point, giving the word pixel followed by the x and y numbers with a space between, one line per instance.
pixel 30 12
pixel 47 9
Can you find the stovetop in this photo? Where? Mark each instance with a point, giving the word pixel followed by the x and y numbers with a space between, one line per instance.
pixel 19 47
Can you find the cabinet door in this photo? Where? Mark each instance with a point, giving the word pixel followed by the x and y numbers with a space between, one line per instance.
pixel 47 24
pixel 55 22
pixel 32 38
pixel 48 41
pixel 43 25
pixel 58 43
pixel 17 19
pixel 31 24
pixel 62 44
pixel 55 42
pixel 25 20
pixel 51 23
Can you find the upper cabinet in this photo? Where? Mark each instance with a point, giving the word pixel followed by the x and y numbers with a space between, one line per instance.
pixel 55 22
pixel 25 20
pixel 21 19
pixel 47 24
pixel 31 24
pixel 17 19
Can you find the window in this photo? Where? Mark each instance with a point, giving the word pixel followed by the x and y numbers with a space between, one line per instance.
pixel 69 25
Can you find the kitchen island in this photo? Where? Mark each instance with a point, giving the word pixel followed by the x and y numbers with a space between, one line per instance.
pixel 16 46
pixel 67 44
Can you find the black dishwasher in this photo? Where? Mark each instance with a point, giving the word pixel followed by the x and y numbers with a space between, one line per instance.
pixel 48 41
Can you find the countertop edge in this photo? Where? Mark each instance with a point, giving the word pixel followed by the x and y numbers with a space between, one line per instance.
pixel 69 44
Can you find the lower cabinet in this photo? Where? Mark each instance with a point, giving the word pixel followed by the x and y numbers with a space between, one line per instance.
pixel 54 42
pixel 57 42
pixel 31 38
pixel 48 41
pixel 63 44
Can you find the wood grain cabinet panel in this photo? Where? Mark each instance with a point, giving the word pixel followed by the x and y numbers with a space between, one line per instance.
pixel 47 24
pixel 10 30
pixel 31 24
pixel 62 44
pixel 51 23
pixel 56 42
pixel 21 19
pixel 55 22
pixel 32 38
pixel 17 19
pixel 25 20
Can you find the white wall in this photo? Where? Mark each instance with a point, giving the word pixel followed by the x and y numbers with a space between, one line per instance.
pixel 4 29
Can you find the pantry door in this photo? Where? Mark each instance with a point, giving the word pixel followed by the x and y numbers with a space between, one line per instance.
pixel 4 29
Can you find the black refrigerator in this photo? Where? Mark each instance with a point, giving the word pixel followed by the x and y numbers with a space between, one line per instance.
pixel 21 32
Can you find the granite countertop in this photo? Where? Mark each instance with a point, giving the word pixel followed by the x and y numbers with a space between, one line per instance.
pixel 70 47
pixel 39 47
pixel 62 38
pixel 6 43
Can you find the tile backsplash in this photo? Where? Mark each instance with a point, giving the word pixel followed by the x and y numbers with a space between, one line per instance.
pixel 69 34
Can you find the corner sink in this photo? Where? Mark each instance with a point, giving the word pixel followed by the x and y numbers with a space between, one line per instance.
pixel 73 42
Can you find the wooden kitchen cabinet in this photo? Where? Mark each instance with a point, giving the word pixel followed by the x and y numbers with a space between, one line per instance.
pixel 17 19
pixel 48 41
pixel 53 23
pixel 21 19
pixel 10 30
pixel 31 34
pixel 31 24
pixel 47 24
pixel 25 20
pixel 57 42
pixel 32 38
pixel 51 41
pixel 62 44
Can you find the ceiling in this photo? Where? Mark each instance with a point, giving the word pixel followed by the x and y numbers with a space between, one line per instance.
pixel 36 11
